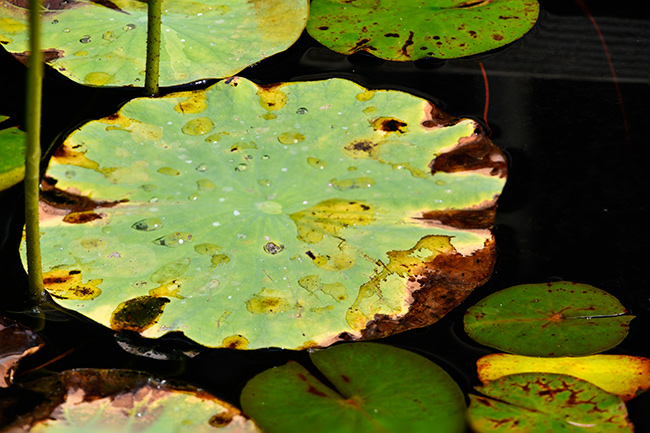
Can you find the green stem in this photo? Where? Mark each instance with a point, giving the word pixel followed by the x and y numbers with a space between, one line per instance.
pixel 153 47
pixel 33 153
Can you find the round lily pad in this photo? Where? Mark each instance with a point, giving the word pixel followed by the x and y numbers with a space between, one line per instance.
pixel 109 401
pixel 293 215
pixel 378 388
pixel 12 155
pixel 553 319
pixel 103 43
pixel 410 30
pixel 546 402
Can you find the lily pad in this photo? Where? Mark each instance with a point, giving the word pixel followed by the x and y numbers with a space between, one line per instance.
pixel 553 319
pixel 546 402
pixel 410 30
pixel 626 376
pixel 103 43
pixel 106 401
pixel 293 215
pixel 16 342
pixel 378 388
pixel 12 155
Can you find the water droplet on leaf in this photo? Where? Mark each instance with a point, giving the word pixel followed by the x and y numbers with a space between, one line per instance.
pixel 129 27
pixel 273 248
pixel 174 239
pixel 85 39
pixel 302 110
pixel 241 167
pixel 290 137
pixel 316 163
pixel 148 224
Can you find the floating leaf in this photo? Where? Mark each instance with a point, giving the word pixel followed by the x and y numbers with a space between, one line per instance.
pixel 103 43
pixel 546 402
pixel 290 216
pixel 554 319
pixel 378 388
pixel 106 401
pixel 411 30
pixel 626 376
pixel 12 156
pixel 16 342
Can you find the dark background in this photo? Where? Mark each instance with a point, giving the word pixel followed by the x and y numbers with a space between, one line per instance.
pixel 575 206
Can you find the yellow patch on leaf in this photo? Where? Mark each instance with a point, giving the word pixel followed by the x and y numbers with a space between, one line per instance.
pixel 626 376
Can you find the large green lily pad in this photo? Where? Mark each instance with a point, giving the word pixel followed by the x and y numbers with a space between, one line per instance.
pixel 378 388
pixel 410 30
pixel 546 402
pixel 549 319
pixel 103 43
pixel 293 215
pixel 109 401
pixel 12 155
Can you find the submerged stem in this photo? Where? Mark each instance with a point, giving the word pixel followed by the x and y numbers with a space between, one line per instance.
pixel 153 47
pixel 33 153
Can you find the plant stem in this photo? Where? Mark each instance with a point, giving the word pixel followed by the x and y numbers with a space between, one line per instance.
pixel 153 47
pixel 33 153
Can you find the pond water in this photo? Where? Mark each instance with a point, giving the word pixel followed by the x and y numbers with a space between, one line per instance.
pixel 573 207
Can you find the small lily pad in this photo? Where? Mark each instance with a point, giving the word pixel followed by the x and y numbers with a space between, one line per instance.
pixel 546 402
pixel 626 376
pixel 553 319
pixel 12 155
pixel 103 43
pixel 410 30
pixel 377 388
pixel 252 216
pixel 106 401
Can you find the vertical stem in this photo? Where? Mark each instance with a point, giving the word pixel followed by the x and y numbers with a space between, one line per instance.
pixel 151 87
pixel 33 153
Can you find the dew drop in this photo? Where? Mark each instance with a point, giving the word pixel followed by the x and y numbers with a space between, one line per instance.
pixel 109 36
pixel 264 182
pixel 265 157
pixel 193 196
pixel 148 224
pixel 241 167
pixel 273 248
pixel 199 126
pixel 302 110
pixel 174 239
pixel 66 30
pixel 205 185
pixel 107 230
pixel 220 259
pixel 316 163
pixel 170 271
pixel 85 39
pixel 55 21
pixel 128 27
pixel 290 137
pixel 201 167
pixel 168 171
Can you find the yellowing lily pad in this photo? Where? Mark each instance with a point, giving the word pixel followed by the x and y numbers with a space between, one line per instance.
pixel 546 402
pixel 108 401
pixel 103 43
pixel 553 319
pixel 12 156
pixel 292 216
pixel 410 30
pixel 626 376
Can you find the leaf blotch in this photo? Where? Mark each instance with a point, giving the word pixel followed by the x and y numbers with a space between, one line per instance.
pixel 389 124
pixel 138 314
pixel 63 284
pixel 235 342
pixel 329 217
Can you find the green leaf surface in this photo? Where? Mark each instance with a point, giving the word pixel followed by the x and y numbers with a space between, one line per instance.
pixel 553 319
pixel 546 402
pixel 411 30
pixel 103 43
pixel 12 155
pixel 379 388
pixel 109 401
pixel 291 216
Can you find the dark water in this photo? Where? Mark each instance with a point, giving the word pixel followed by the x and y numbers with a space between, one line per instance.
pixel 574 208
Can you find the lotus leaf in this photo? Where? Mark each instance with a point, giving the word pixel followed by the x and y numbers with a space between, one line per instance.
pixel 292 216
pixel 410 30
pixel 379 388
pixel 109 401
pixel 103 43
pixel 12 156
pixel 552 319
pixel 626 376
pixel 546 402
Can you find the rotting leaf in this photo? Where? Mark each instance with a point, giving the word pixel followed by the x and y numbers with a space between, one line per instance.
pixel 376 388
pixel 106 401
pixel 212 234
pixel 16 342
pixel 625 376
pixel 546 402
pixel 399 30
pixel 96 45
pixel 552 319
